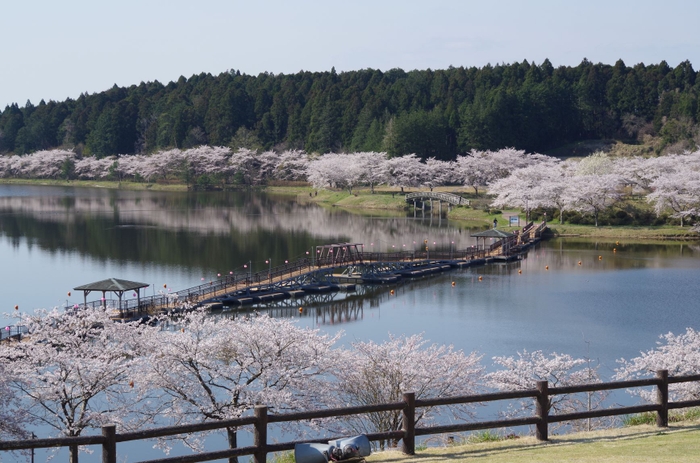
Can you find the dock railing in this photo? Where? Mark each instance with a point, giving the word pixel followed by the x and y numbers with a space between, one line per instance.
pixel 261 420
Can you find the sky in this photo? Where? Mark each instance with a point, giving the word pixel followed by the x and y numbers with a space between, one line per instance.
pixel 56 50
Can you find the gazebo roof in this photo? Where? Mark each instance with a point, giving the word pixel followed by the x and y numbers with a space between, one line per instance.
pixel 492 233
pixel 112 284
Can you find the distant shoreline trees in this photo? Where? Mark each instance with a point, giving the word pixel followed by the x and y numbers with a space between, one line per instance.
pixel 597 189
pixel 433 113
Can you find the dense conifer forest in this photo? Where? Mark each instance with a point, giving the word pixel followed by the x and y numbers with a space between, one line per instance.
pixel 433 113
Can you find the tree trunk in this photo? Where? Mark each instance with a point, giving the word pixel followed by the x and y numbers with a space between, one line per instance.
pixel 232 442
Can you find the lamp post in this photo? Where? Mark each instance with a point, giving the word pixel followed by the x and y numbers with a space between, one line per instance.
pixel 269 268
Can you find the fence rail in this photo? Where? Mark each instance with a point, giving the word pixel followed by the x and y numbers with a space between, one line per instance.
pixel 261 419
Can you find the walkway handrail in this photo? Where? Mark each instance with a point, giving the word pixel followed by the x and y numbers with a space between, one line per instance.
pixel 261 419
pixel 447 197
pixel 232 282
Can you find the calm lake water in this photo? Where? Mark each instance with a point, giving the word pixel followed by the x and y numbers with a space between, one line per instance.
pixel 55 238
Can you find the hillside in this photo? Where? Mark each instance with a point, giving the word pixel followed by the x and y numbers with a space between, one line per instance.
pixel 433 113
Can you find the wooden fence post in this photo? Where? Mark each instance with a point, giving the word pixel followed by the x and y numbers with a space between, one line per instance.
pixel 109 447
pixel 662 399
pixel 409 424
pixel 260 442
pixel 542 410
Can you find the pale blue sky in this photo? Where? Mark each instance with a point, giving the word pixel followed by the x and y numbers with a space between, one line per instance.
pixel 58 49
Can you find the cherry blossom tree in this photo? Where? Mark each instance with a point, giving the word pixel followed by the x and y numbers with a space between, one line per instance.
pixel 74 370
pixel 335 170
pixel 13 418
pixel 381 373
pixel 291 165
pixel 679 354
pixel 597 163
pixel 245 163
pixel 438 173
pixel 405 171
pixel 593 193
pixel 218 368
pixel 93 168
pixel 553 188
pixel 678 192
pixel 525 188
pixel 373 167
pixel 524 371
pixel 479 168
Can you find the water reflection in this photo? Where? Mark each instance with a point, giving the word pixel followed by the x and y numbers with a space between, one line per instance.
pixel 56 238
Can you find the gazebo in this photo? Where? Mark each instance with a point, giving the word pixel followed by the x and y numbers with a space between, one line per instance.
pixel 115 285
pixel 494 233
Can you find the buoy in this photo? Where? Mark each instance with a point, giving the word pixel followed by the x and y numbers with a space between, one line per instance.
pixel 165 286
pixel 481 278
pixel 392 292
pixel 68 293
pixel 453 283
pixel 301 309
pixel 579 262
pixel 614 249
pixel 519 271
pixel 546 267
pixel 16 307
pixel 600 257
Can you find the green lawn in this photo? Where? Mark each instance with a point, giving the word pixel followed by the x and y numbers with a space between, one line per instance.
pixel 678 443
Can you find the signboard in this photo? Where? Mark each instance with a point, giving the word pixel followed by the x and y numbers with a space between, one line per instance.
pixel 514 221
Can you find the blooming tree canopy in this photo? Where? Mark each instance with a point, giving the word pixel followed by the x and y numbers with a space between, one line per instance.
pixel 74 370
pixel 217 368
pixel 524 371
pixel 381 373
pixel 593 193
pixel 679 354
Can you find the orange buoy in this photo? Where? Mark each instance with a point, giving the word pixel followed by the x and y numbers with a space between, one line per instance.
pixel 301 309
pixel 481 278
pixel 453 283
pixel 546 267
pixel 519 271
pixel 600 257
pixel 392 292
pixel 579 262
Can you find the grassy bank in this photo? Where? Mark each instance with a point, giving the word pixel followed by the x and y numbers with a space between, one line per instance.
pixel 98 184
pixel 393 200
pixel 646 443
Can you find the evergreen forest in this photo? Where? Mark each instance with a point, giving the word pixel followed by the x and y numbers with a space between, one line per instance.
pixel 432 113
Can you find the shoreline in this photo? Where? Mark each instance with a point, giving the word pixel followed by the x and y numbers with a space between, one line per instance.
pixel 389 201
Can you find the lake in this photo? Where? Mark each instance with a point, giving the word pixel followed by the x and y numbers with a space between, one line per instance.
pixel 614 304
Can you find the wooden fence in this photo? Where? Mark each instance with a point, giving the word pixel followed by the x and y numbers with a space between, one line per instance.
pixel 261 419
